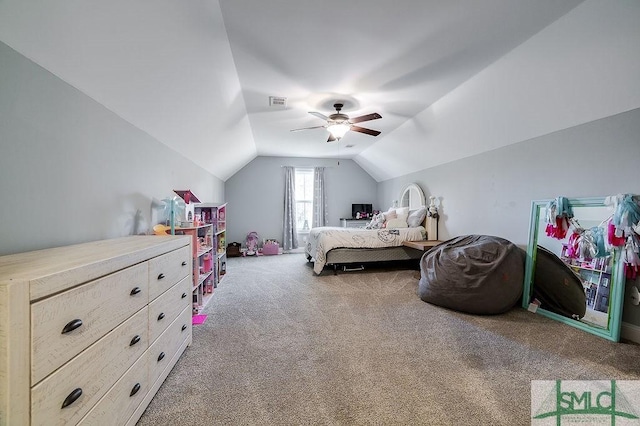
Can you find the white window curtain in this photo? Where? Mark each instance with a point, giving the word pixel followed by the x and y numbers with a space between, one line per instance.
pixel 290 238
pixel 320 215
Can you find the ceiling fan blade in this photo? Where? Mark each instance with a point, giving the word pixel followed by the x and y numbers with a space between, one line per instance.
pixel 331 138
pixel 365 131
pixel 367 117
pixel 319 115
pixel 306 128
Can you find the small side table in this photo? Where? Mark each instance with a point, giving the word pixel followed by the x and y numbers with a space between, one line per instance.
pixel 421 245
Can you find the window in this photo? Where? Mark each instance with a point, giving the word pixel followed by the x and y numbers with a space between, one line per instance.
pixel 304 199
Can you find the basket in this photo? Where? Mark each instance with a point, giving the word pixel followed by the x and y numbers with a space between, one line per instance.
pixel 270 249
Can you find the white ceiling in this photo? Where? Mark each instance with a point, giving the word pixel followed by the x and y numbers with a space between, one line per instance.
pixel 197 75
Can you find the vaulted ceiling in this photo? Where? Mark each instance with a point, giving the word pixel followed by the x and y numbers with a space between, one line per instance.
pixel 197 75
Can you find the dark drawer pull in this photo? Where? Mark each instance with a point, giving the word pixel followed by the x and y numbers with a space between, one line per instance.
pixel 161 316
pixel 135 389
pixel 135 340
pixel 73 396
pixel 135 290
pixel 161 276
pixel 161 356
pixel 184 295
pixel 184 327
pixel 71 325
pixel 184 263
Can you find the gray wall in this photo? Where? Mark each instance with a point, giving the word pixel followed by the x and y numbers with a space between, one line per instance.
pixel 256 194
pixel 72 171
pixel 491 193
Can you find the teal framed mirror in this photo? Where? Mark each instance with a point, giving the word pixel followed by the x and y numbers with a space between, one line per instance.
pixel 584 290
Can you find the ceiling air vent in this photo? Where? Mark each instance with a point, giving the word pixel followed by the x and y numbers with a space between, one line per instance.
pixel 275 101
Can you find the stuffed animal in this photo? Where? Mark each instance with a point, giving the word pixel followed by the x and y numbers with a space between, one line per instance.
pixel 377 222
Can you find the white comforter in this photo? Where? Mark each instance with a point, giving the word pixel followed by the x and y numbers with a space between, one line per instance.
pixel 323 239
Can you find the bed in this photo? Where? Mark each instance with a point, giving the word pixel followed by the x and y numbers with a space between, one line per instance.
pixel 336 246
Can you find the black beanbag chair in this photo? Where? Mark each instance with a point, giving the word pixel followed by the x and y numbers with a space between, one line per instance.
pixel 476 274
pixel 557 287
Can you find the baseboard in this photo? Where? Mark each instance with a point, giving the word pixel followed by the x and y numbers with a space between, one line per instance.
pixel 298 250
pixel 630 332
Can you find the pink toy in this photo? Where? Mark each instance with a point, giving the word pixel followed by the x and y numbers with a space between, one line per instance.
pixel 270 248
pixel 252 243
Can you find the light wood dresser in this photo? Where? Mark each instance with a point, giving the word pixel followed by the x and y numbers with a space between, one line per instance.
pixel 89 332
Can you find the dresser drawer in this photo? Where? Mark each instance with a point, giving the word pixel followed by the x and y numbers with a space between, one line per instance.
pixel 163 349
pixel 87 313
pixel 168 269
pixel 93 372
pixel 167 307
pixel 123 398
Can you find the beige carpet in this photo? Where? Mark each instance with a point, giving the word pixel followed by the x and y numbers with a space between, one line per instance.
pixel 282 346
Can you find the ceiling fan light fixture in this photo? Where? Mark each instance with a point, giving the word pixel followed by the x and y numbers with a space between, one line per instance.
pixel 339 124
pixel 338 130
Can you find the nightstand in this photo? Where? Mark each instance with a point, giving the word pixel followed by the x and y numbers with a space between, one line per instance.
pixel 354 223
pixel 423 245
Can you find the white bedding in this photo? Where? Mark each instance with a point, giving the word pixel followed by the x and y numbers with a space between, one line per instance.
pixel 323 239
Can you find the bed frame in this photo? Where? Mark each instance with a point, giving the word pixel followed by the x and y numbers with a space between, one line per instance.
pixel 350 256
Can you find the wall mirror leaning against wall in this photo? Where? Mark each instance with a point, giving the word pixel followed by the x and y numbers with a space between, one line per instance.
pixel 570 274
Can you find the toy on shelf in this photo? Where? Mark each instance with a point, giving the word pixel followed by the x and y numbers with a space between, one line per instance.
pixel 160 229
pixel 187 195
pixel 173 210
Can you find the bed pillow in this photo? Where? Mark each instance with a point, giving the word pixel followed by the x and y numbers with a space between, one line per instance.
pixel 416 217
pixel 396 223
pixel 388 215
pixel 402 211
pixel 391 214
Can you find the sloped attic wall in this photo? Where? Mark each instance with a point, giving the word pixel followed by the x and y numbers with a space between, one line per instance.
pixel 71 170
pixel 583 67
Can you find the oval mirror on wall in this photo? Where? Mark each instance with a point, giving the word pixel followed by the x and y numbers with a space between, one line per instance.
pixel 412 196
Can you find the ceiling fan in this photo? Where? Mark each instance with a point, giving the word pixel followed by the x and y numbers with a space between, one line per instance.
pixel 338 124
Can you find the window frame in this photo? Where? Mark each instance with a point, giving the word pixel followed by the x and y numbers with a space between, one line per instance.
pixel 299 172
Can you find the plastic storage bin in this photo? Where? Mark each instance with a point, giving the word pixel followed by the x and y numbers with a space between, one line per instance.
pixel 270 249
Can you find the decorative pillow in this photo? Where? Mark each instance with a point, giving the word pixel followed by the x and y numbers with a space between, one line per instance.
pixel 396 223
pixel 389 215
pixel 402 211
pixel 416 217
